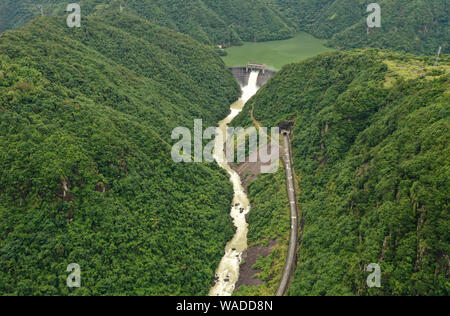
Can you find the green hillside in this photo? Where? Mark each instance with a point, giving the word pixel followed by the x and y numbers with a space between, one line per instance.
pixel 371 148
pixel 415 26
pixel 208 21
pixel 87 176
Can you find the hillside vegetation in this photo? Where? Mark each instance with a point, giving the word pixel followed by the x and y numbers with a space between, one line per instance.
pixel 228 22
pixel 371 146
pixel 87 176
pixel 269 221
pixel 415 26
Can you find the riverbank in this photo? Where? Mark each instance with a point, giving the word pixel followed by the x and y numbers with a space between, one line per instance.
pixel 227 274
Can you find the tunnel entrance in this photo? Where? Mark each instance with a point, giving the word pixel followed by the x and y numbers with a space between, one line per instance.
pixel 286 126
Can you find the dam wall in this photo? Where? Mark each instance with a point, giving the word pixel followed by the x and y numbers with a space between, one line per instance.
pixel 242 75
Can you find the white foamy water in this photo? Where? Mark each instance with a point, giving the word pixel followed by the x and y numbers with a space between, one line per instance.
pixel 227 273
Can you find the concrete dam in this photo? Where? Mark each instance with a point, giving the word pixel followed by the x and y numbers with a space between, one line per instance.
pixel 242 75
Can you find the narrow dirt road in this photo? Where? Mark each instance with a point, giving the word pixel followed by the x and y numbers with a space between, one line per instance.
pixel 292 251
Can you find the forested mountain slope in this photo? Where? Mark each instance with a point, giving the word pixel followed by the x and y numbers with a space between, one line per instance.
pixel 214 22
pixel 416 26
pixel 371 148
pixel 209 21
pixel 86 171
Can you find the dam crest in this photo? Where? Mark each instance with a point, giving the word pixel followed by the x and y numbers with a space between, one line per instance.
pixel 242 75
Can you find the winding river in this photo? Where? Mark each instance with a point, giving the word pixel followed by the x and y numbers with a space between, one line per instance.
pixel 227 273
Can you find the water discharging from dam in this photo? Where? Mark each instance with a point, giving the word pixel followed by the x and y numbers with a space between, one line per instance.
pixel 227 273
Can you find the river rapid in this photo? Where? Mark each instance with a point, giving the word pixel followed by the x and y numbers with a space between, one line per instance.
pixel 227 273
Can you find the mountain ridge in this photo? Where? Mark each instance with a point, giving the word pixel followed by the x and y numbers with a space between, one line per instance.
pixel 87 173
pixel 417 26
pixel 370 139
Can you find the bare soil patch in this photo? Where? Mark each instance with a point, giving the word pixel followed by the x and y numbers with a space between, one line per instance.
pixel 249 171
pixel 250 256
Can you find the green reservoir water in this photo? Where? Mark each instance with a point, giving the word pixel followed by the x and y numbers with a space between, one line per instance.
pixel 276 54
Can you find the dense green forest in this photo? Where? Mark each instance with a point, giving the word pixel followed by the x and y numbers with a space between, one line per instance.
pixel 87 176
pixel 227 22
pixel 415 26
pixel 86 116
pixel 371 148
pixel 269 220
